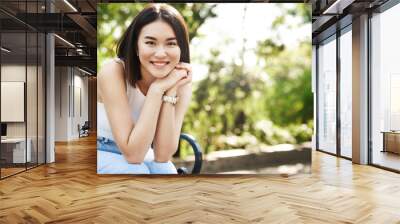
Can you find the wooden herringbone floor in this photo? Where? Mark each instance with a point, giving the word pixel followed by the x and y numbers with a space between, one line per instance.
pixel 70 191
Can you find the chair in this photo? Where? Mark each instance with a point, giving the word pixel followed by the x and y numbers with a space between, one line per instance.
pixel 198 155
pixel 84 130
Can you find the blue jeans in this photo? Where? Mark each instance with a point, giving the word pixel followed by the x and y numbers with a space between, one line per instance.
pixel 111 161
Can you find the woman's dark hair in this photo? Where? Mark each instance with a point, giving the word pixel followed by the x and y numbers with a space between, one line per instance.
pixel 127 46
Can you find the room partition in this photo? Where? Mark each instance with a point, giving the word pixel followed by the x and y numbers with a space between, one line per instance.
pixel 22 77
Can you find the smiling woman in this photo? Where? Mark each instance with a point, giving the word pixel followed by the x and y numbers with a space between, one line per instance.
pixel 143 95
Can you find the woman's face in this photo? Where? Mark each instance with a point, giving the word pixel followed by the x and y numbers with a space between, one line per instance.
pixel 158 49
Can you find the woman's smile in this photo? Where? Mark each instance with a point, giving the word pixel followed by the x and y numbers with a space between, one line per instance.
pixel 159 64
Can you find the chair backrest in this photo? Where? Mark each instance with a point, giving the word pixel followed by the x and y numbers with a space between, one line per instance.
pixel 86 125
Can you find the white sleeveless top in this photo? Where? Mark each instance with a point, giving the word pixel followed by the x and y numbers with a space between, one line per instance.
pixel 135 99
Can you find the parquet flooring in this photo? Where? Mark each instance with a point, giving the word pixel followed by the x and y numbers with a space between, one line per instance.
pixel 70 191
pixel 9 171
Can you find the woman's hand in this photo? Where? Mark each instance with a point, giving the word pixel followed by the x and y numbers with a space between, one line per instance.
pixel 188 78
pixel 183 83
pixel 168 82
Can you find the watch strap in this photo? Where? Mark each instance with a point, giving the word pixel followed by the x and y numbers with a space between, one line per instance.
pixel 170 99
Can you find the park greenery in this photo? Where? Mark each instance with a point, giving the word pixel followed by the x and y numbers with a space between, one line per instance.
pixel 237 106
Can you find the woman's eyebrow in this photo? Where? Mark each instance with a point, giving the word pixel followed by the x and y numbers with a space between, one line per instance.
pixel 149 37
pixel 153 38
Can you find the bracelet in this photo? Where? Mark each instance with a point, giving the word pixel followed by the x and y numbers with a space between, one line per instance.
pixel 170 99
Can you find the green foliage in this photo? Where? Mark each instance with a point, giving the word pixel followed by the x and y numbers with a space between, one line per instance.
pixel 224 103
pixel 290 98
pixel 269 133
pixel 232 101
pixel 302 11
pixel 301 132
pixel 239 107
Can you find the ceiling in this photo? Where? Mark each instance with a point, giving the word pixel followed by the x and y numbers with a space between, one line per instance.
pixel 330 15
pixel 74 22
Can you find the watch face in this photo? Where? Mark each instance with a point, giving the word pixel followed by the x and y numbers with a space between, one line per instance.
pixel 170 99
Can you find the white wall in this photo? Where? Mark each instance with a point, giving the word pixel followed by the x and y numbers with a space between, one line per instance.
pixel 61 103
pixel 50 96
pixel 12 73
pixel 71 94
pixel 33 126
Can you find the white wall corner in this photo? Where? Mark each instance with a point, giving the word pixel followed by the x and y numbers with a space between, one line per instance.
pixel 50 110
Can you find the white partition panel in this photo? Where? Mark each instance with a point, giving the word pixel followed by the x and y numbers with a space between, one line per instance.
pixel 12 101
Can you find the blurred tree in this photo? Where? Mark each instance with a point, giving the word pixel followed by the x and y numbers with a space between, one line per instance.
pixel 289 100
pixel 224 103
pixel 302 11
pixel 234 100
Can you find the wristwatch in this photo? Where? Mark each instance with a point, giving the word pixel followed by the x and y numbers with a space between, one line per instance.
pixel 170 99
